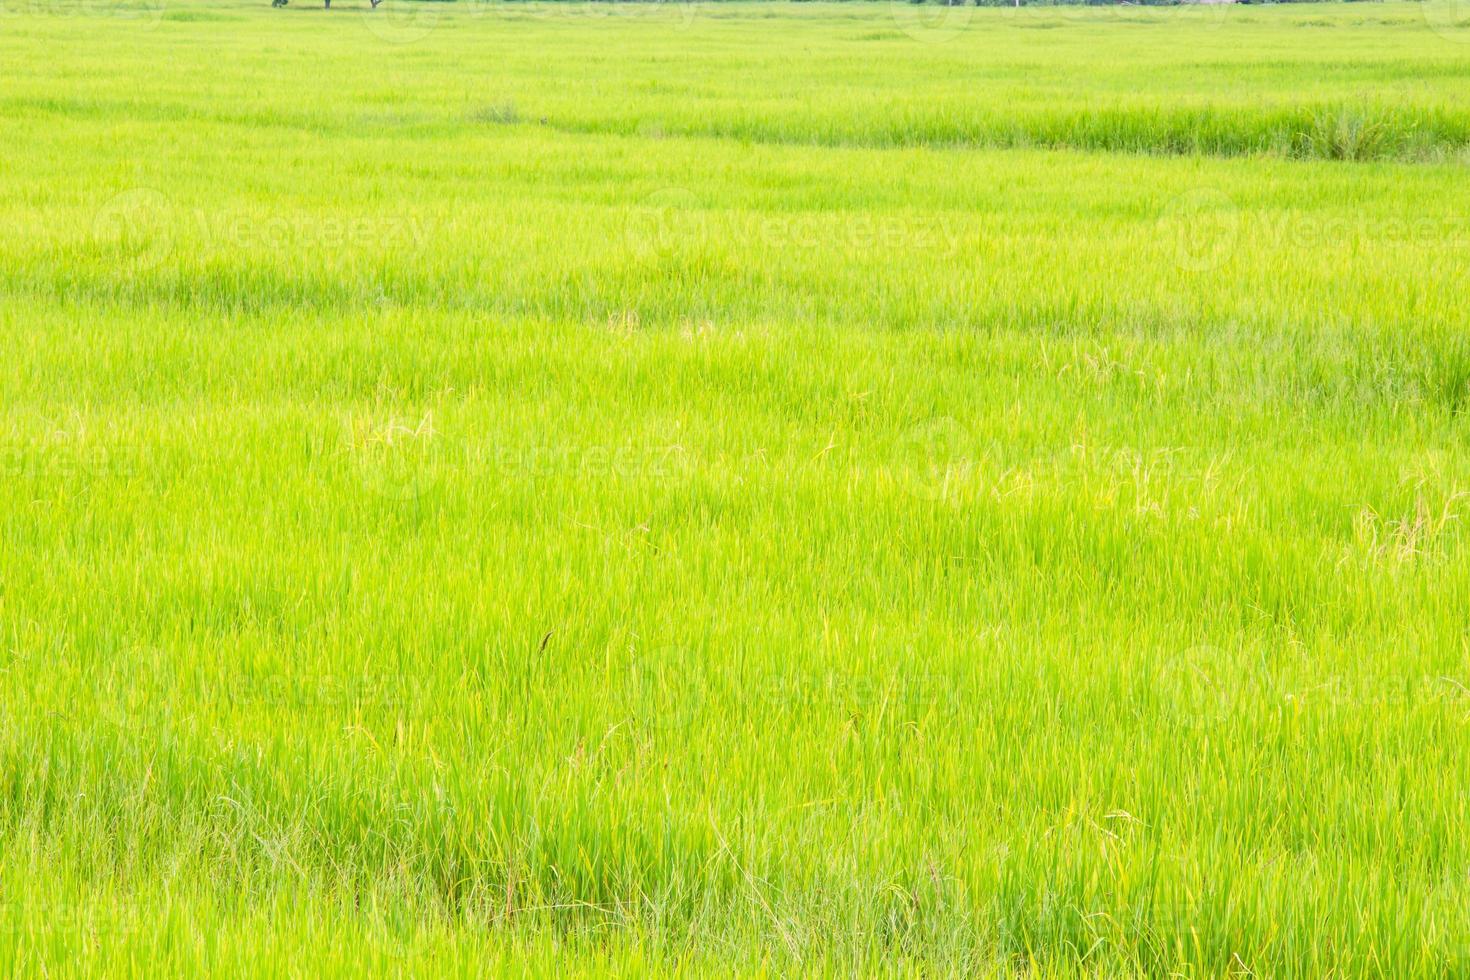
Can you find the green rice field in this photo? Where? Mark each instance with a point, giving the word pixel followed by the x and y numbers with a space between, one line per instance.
pixel 734 489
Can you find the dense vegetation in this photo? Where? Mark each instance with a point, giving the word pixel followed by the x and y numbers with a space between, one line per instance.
pixel 737 488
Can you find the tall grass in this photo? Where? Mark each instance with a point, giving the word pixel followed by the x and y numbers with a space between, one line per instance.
pixel 593 491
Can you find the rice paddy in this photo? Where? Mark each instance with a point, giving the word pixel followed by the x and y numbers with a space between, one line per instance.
pixel 734 489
